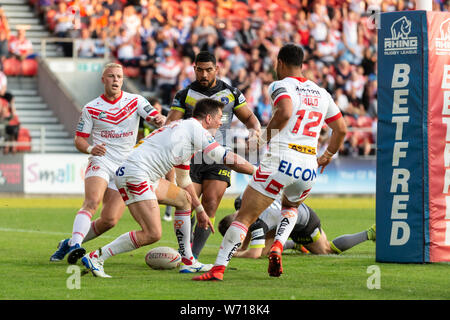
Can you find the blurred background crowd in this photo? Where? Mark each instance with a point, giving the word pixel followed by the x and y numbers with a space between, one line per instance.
pixel 156 42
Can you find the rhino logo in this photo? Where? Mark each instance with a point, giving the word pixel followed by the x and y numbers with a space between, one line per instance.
pixel 444 30
pixel 401 28
pixel 443 42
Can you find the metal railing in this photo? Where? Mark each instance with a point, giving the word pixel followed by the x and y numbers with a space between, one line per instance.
pixel 45 41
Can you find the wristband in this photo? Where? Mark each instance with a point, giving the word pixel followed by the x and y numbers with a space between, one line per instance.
pixel 328 154
pixel 89 149
pixel 255 168
pixel 199 208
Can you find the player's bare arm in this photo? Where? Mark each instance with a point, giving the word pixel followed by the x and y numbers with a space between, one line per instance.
pixel 248 118
pixel 174 115
pixel 336 140
pixel 83 146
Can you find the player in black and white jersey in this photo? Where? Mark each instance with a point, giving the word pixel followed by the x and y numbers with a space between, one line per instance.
pixel 307 232
pixel 211 179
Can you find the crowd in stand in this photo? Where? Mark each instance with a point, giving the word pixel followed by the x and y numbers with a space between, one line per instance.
pixel 156 41
pixel 15 52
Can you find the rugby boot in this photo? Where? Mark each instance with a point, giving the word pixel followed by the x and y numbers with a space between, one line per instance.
pixel 62 249
pixel 94 264
pixel 196 266
pixel 275 266
pixel 372 233
pixel 75 252
pixel 215 274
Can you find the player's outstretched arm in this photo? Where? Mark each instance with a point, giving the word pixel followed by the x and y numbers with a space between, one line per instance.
pixel 238 164
pixel 173 115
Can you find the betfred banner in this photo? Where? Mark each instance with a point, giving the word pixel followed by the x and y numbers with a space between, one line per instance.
pixel 54 173
pixel 438 128
pixel 399 183
pixel 413 159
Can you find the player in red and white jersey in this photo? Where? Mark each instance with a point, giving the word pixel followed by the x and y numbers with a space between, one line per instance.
pixel 140 180
pixel 112 121
pixel 290 165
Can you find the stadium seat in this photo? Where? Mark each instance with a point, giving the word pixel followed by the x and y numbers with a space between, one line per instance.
pixel 29 68
pixel 240 9
pixel 131 72
pixel 11 67
pixel 208 7
pixel 24 136
pixel 190 7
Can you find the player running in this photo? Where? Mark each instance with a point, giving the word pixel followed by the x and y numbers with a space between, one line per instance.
pixel 211 179
pixel 140 180
pixel 290 166
pixel 112 120
pixel 307 232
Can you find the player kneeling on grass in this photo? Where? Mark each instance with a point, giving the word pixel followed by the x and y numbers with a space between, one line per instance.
pixel 307 232
pixel 142 186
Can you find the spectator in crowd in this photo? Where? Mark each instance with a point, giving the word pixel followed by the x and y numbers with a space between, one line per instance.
pixel 85 46
pixel 20 47
pixel 125 46
pixel 4 46
pixel 336 37
pixel 8 116
pixel 167 75
pixel 148 64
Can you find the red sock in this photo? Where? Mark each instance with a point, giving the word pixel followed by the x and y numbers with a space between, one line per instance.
pixel 277 244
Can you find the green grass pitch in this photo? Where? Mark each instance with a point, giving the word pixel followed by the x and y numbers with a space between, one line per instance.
pixel 30 229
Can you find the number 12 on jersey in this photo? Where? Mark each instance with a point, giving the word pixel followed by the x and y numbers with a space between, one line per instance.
pixel 312 121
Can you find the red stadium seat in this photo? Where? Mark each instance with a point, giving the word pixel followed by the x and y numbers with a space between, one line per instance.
pixel 131 72
pixel 24 137
pixel 240 9
pixel 11 67
pixel 190 7
pixel 29 68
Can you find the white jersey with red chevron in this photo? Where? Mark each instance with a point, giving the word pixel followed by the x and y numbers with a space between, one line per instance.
pixel 173 145
pixel 312 106
pixel 114 123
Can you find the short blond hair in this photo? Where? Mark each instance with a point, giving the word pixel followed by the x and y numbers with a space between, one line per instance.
pixel 111 65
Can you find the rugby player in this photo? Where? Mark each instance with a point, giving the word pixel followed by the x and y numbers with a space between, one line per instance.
pixel 140 181
pixel 112 120
pixel 307 232
pixel 289 168
pixel 211 179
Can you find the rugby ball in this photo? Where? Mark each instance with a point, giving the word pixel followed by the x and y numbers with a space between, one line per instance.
pixel 163 258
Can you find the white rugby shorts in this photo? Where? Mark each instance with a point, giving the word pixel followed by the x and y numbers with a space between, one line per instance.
pixel 103 168
pixel 290 173
pixel 134 184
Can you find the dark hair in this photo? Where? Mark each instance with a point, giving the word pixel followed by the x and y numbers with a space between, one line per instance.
pixel 205 56
pixel 206 106
pixel 225 223
pixel 291 54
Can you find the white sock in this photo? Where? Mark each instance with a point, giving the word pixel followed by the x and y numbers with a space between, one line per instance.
pixel 232 240
pixel 288 219
pixel 124 243
pixel 81 226
pixel 92 233
pixel 182 227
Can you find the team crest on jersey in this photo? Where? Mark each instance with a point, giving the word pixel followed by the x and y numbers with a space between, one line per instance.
pixel 224 100
pixel 102 115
